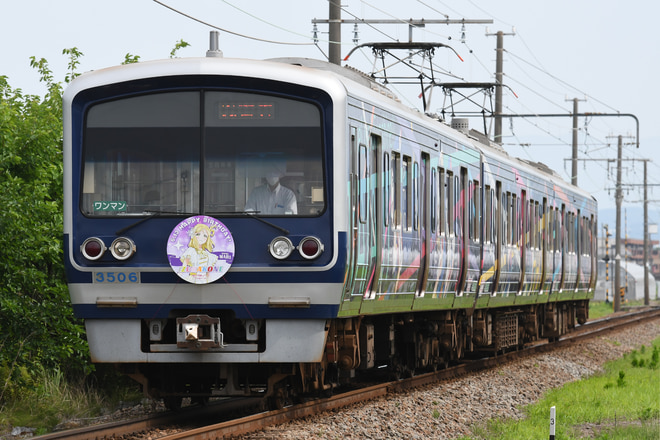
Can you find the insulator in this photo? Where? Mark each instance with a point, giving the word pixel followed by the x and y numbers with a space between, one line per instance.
pixel 315 34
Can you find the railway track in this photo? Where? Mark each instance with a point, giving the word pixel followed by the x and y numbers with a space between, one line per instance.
pixel 186 420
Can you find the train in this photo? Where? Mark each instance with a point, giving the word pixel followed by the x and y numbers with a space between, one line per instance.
pixel 277 228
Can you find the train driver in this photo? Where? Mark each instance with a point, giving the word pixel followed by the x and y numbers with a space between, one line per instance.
pixel 272 197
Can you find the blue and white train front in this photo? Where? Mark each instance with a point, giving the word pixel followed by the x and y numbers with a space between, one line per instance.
pixel 203 240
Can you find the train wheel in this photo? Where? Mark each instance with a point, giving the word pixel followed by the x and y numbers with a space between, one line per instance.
pixel 396 370
pixel 280 398
pixel 173 403
pixel 460 341
pixel 200 400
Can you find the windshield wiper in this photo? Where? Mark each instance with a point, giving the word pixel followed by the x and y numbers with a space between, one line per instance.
pixel 254 215
pixel 151 215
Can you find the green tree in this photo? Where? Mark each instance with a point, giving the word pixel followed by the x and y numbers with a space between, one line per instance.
pixel 38 331
pixel 37 327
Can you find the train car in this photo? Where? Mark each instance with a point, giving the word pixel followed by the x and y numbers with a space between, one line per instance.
pixel 273 228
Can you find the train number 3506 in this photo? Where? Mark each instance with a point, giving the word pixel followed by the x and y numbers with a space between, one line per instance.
pixel 116 277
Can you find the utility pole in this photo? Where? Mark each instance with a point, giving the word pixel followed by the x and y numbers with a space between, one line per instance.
pixel 574 179
pixel 646 220
pixel 646 230
pixel 607 263
pixel 617 246
pixel 646 241
pixel 334 26
pixel 499 68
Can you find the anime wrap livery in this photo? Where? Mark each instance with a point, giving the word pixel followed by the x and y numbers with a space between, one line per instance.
pixel 410 245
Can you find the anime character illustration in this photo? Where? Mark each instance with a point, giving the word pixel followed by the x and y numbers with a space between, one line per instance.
pixel 198 258
pixel 201 261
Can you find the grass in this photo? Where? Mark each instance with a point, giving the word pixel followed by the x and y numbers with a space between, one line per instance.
pixel 600 309
pixel 56 399
pixel 621 403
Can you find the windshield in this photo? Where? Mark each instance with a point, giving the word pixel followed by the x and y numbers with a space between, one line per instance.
pixel 212 152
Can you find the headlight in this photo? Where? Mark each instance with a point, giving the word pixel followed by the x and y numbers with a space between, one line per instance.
pixel 93 248
pixel 122 248
pixel 280 248
pixel 310 247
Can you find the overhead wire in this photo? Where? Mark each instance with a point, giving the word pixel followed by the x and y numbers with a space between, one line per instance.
pixel 227 30
pixel 517 59
pixel 538 62
pixel 562 81
pixel 264 21
pixel 363 20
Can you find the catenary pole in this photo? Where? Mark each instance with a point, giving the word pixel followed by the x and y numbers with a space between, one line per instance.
pixel 617 246
pixel 574 165
pixel 646 240
pixel 334 27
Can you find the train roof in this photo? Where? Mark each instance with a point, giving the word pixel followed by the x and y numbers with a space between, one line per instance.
pixel 347 76
pixel 474 138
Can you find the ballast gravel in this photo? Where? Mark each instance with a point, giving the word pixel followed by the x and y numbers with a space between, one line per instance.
pixel 451 409
pixel 448 410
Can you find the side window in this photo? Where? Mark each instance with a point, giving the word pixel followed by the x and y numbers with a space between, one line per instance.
pixel 561 230
pixel 557 230
pixel 493 213
pixel 514 220
pixel 434 200
pixel 586 250
pixel 396 189
pixel 363 183
pixel 415 196
pixel 528 224
pixel 488 217
pixel 450 203
pixel 387 208
pixel 570 231
pixel 405 188
pixel 504 208
pixel 476 209
pixel 442 195
pixel 457 225
pixel 538 218
pixel 550 232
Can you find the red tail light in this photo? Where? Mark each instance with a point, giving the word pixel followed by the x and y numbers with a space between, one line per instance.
pixel 310 247
pixel 93 248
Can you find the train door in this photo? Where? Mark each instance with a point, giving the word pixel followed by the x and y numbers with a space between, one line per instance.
pixel 556 252
pixel 498 238
pixel 524 236
pixel 424 224
pixel 563 241
pixel 374 216
pixel 593 234
pixel 353 220
pixel 363 237
pixel 546 254
pixel 489 237
pixel 473 233
pixel 461 227
pixel 586 268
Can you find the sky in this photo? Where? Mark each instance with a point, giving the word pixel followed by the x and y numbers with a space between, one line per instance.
pixel 605 53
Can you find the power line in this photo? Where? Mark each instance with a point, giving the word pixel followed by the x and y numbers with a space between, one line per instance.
pixel 227 30
pixel 561 81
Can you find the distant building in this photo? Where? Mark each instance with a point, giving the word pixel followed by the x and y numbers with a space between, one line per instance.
pixel 634 251
pixel 632 268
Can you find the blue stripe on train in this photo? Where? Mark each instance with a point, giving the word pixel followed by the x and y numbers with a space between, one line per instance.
pixel 334 275
pixel 242 311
